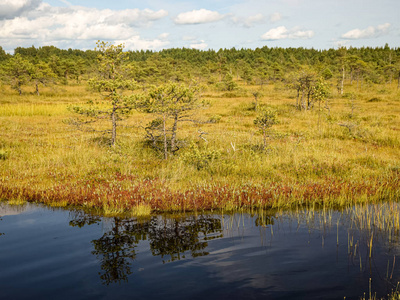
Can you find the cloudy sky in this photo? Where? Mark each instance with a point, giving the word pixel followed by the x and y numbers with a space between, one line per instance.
pixel 206 24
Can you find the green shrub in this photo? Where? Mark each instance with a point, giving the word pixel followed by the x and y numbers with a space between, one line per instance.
pixel 375 99
pixel 3 154
pixel 214 119
pixel 200 158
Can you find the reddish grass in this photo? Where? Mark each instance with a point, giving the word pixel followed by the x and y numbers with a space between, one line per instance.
pixel 126 192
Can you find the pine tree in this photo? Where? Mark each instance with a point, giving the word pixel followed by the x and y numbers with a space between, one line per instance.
pixel 110 82
pixel 18 70
pixel 266 118
pixel 171 103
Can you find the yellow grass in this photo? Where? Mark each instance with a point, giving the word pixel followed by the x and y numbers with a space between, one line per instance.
pixel 43 152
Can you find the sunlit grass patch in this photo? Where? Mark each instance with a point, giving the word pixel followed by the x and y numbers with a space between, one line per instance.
pixel 16 201
pixel 140 210
pixel 29 110
pixel 309 156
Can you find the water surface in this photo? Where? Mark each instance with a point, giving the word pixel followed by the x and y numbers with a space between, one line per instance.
pixel 60 254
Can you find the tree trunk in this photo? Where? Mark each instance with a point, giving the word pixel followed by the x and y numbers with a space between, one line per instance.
pixel 37 89
pixel 361 81
pixel 319 114
pixel 351 76
pixel 114 125
pixel 398 82
pixel 174 129
pixel 358 79
pixel 342 83
pixel 302 100
pixel 264 137
pixel 165 137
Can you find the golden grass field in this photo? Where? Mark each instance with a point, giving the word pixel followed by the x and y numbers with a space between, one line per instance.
pixel 340 156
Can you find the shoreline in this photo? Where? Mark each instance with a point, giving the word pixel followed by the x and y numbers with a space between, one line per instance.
pixel 139 198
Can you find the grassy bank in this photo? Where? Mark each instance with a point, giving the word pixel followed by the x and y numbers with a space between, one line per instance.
pixel 345 154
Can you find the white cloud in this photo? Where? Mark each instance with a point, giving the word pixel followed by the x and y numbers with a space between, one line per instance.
pixel 249 21
pixel 188 38
pixel 201 45
pixel 281 32
pixel 20 27
pixel 273 34
pixel 163 36
pixel 275 17
pixel 49 24
pixel 10 9
pixel 66 2
pixel 198 17
pixel 296 33
pixel 138 43
pixel 369 32
pixel 135 17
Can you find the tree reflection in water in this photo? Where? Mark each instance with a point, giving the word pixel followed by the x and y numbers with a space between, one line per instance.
pixel 173 237
pixel 170 238
pixel 116 251
pixel 80 219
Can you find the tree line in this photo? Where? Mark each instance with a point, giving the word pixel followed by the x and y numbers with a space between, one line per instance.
pixel 260 66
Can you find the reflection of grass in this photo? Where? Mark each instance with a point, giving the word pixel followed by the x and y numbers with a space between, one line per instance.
pixel 368 226
pixel 306 161
pixel 394 295
pixel 381 217
pixel 384 216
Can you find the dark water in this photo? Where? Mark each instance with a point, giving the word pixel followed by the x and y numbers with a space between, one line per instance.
pixel 58 254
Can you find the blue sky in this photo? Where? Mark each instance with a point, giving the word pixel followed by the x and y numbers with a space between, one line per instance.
pixel 207 24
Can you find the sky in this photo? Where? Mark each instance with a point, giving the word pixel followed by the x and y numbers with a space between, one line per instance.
pixel 206 24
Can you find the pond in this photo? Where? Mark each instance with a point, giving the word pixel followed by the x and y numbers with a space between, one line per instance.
pixel 49 253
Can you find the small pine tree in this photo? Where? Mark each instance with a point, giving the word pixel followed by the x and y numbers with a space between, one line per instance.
pixel 171 103
pixel 41 73
pixel 266 118
pixel 18 70
pixel 110 82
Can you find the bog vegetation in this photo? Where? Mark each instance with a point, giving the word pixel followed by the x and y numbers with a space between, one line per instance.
pixel 182 129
